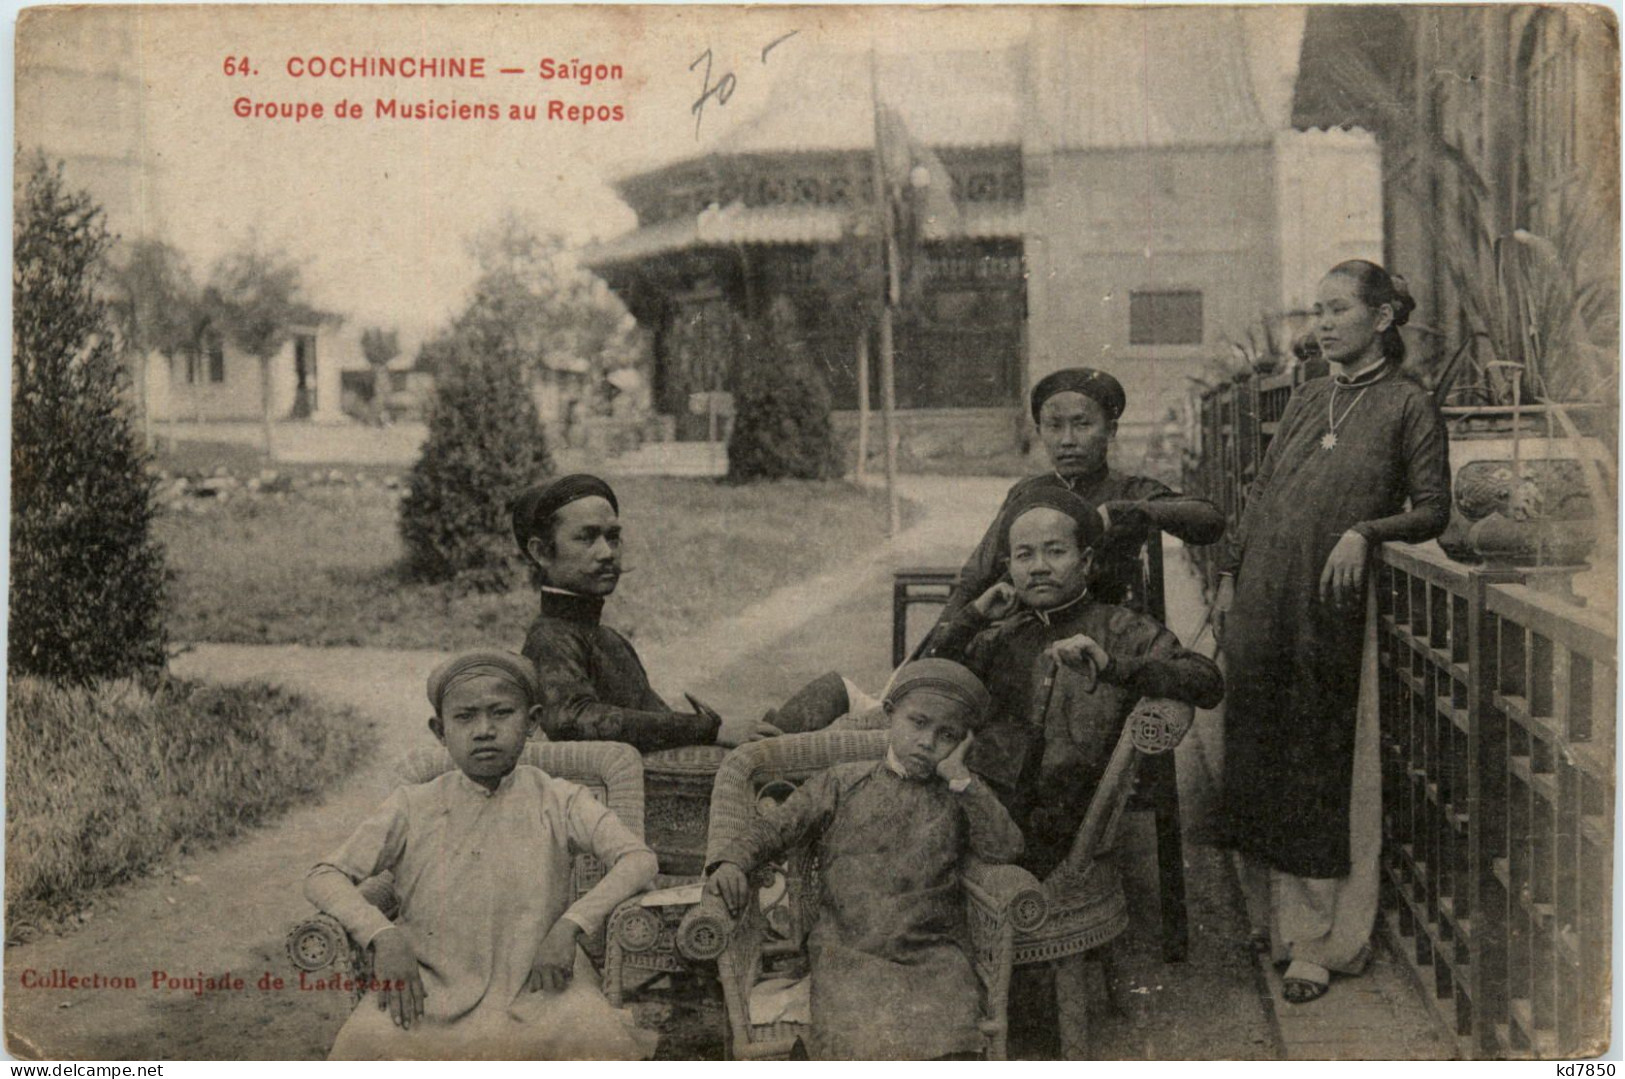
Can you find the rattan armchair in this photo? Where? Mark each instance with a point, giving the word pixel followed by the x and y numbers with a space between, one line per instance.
pixel 611 771
pixel 1000 899
pixel 1084 894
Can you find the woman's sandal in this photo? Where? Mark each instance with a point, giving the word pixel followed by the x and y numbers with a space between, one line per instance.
pixel 1302 990
pixel 1297 989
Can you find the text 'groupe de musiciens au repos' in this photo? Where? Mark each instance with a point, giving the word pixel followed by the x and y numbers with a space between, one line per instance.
pixel 321 69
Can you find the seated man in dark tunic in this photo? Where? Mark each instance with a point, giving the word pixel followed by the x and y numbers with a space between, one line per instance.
pixel 1076 410
pixel 1099 660
pixel 891 971
pixel 1064 671
pixel 594 685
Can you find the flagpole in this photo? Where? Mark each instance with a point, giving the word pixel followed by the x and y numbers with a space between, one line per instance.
pixel 863 404
pixel 888 382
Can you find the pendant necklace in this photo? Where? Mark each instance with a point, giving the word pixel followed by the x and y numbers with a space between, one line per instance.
pixel 1329 439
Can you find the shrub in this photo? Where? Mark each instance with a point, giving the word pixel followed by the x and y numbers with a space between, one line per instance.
pixel 103 782
pixel 87 577
pixel 782 427
pixel 485 446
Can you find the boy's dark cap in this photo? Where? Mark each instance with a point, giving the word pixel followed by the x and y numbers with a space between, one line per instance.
pixel 1090 528
pixel 509 666
pixel 945 678
pixel 535 506
pixel 1105 389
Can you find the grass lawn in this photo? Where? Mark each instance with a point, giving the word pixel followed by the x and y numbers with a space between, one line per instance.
pixel 103 783
pixel 320 566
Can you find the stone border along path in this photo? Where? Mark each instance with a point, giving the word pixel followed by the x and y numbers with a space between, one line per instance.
pixel 230 908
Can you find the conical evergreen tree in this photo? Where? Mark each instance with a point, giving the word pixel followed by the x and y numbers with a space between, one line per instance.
pixel 485 446
pixel 87 576
pixel 782 427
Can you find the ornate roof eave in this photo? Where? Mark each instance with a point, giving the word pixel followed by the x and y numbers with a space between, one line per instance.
pixel 762 226
pixel 720 162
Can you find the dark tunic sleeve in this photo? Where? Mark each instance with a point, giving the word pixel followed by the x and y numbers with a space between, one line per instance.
pixel 1148 504
pixel 574 711
pixel 991 832
pixel 960 639
pixel 802 816
pixel 1426 453
pixel 1149 661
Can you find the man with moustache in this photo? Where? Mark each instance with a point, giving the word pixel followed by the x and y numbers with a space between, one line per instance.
pixel 594 686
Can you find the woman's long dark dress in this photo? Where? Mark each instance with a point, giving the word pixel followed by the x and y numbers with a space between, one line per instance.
pixel 1294 662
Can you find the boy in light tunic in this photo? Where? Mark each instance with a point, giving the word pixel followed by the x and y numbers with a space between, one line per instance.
pixel 483 959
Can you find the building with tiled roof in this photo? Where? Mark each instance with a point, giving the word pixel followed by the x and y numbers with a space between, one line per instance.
pixel 1115 202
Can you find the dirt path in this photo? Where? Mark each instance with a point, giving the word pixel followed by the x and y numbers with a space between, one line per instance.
pixel 229 909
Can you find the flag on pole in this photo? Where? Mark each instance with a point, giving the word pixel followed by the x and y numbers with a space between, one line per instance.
pixel 919 194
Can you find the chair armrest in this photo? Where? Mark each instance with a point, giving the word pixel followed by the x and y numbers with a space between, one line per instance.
pixel 1006 891
pixel 705 930
pixel 1154 726
pixel 789 756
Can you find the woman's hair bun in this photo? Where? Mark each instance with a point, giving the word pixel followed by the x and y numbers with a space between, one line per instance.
pixel 1402 303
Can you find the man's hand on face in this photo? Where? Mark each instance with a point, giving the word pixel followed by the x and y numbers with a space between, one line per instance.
pixel 997 603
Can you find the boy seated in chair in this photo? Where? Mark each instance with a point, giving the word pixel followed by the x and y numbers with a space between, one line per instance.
pixel 890 970
pixel 1063 672
pixel 483 960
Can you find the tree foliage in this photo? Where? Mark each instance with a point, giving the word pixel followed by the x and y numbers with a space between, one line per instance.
pixel 258 299
pixel 87 576
pixel 782 427
pixel 485 446
pixel 157 303
pixel 531 307
pixel 379 347
pixel 536 305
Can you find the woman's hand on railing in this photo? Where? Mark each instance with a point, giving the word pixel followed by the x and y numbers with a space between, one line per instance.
pixel 1343 580
pixel 1222 604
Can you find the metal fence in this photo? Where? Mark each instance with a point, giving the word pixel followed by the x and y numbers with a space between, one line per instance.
pixel 1497 702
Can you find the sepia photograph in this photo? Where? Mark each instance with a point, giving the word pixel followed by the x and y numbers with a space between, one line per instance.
pixel 743 532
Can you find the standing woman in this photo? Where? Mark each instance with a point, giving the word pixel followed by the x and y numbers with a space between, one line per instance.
pixel 1360 458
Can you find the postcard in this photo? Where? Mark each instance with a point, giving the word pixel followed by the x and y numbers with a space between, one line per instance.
pixel 697 532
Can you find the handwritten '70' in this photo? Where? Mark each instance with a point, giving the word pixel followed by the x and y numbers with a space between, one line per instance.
pixel 723 88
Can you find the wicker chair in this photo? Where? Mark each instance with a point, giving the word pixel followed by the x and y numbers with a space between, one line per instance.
pixel 610 771
pixel 1084 894
pixel 640 944
pixel 1001 899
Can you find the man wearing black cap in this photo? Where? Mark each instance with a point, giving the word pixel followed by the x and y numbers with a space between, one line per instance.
pixel 1063 673
pixel 594 685
pixel 1076 410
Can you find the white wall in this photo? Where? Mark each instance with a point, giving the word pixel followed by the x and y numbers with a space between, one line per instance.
pixel 1328 200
